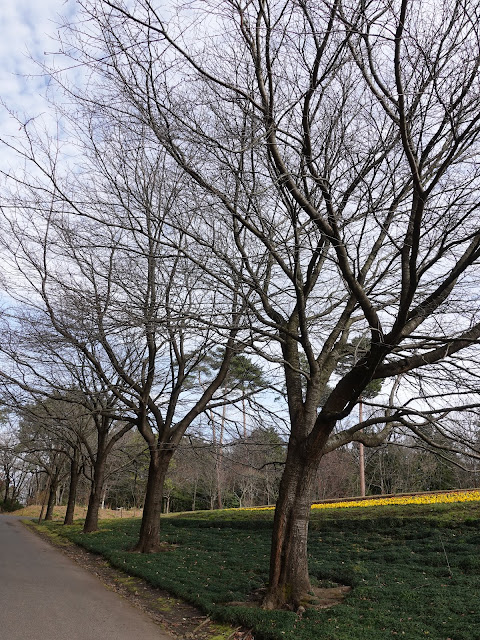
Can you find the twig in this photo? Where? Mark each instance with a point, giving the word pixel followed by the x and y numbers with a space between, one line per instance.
pixel 206 621
pixel 446 557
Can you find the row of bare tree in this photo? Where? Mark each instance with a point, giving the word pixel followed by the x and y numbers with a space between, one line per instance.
pixel 273 179
pixel 36 467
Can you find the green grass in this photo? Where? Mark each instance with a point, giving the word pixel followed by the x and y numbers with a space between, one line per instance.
pixel 414 569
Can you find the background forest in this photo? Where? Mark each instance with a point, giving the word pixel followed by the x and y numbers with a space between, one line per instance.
pixel 243 472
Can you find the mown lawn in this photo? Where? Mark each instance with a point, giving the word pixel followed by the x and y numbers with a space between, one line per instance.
pixel 414 570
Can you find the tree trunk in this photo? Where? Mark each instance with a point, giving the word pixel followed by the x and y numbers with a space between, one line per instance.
pixel 244 412
pixel 218 481
pixel 95 499
pixel 72 491
pixel 51 499
pixel 361 452
pixel 149 541
pixel 194 500
pixel 289 579
pixel 218 457
pixel 44 499
pixel 7 487
pixel 104 496
pixel 167 505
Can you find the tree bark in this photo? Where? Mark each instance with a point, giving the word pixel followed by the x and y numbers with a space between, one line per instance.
pixel 7 487
pixel 95 499
pixel 72 491
pixel 44 500
pixel 149 540
pixel 51 498
pixel 289 578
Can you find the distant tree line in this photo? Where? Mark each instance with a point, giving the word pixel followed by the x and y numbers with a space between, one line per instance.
pixel 35 471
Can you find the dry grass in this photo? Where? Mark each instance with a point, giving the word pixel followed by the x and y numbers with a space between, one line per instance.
pixel 33 511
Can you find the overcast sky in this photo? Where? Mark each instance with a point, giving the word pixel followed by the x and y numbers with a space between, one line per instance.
pixel 28 30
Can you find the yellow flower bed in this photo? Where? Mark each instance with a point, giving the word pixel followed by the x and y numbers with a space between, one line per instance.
pixel 433 498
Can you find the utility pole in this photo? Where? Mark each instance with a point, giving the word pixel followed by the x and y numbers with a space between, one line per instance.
pixel 361 452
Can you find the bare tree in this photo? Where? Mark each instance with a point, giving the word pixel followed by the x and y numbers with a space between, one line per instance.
pixel 13 470
pixel 255 464
pixel 109 273
pixel 43 447
pixel 55 389
pixel 336 145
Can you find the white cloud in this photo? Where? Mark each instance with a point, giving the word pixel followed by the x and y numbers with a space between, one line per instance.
pixel 28 29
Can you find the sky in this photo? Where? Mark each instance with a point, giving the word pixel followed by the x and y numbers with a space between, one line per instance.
pixel 27 32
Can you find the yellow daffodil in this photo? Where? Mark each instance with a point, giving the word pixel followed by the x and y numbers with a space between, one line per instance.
pixel 431 498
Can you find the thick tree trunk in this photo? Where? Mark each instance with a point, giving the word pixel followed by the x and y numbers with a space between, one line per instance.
pixel 72 491
pixel 289 578
pixel 7 487
pixel 95 499
pixel 149 541
pixel 44 500
pixel 51 499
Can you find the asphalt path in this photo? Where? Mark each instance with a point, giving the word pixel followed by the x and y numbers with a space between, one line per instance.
pixel 46 596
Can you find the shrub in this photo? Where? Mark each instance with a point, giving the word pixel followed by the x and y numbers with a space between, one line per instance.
pixel 10 505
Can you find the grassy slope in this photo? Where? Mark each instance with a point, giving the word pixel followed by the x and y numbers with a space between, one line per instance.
pixel 404 563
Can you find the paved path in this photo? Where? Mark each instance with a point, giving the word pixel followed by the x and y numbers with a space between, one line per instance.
pixel 45 596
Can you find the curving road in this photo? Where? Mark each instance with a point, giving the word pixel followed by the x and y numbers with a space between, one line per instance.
pixel 45 595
